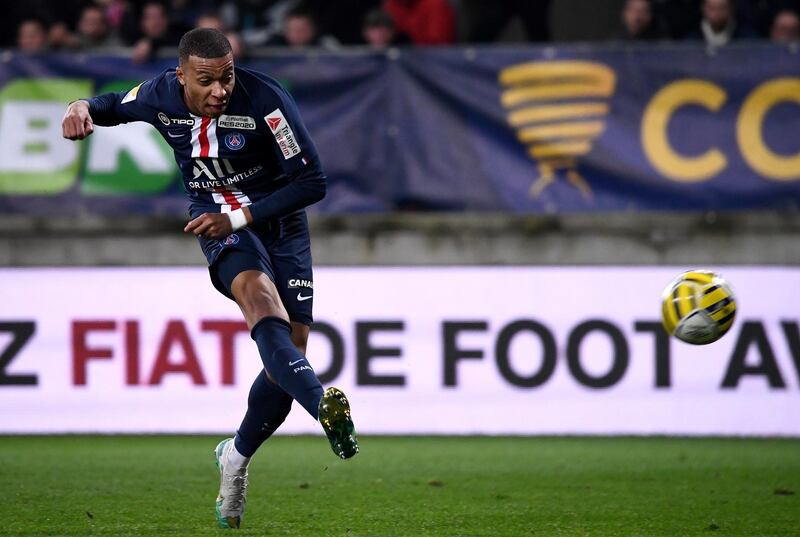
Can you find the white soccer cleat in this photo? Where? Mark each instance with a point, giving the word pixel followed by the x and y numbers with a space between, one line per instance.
pixel 232 488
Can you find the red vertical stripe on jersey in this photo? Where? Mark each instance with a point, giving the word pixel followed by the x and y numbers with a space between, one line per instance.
pixel 229 197
pixel 203 136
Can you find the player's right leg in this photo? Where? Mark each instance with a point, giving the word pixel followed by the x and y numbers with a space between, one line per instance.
pixel 270 329
pixel 334 408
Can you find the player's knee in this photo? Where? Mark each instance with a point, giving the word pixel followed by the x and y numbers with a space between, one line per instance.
pixel 258 297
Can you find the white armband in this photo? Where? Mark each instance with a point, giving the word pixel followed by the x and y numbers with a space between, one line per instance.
pixel 238 219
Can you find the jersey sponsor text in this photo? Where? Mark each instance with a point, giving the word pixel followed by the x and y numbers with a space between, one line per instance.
pixel 236 122
pixel 283 133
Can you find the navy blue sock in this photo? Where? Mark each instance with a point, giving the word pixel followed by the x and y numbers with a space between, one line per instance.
pixel 267 407
pixel 286 366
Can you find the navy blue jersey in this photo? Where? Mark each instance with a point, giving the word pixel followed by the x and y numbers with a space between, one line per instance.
pixel 256 148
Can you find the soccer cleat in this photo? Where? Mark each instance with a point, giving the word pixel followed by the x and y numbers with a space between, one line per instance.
pixel 232 489
pixel 334 415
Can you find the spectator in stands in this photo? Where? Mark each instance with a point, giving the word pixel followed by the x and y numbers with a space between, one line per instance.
pixel 156 32
pixel 247 15
pixel 93 29
pixel 59 36
pixel 343 19
pixel 785 27
pixel 212 20
pixel 32 36
pixel 638 23
pixel 184 13
pixel 300 30
pixel 122 19
pixel 486 20
pixel 426 22
pixel 680 17
pixel 718 26
pixel 379 30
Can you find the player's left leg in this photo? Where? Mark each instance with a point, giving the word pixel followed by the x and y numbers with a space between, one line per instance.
pixel 268 405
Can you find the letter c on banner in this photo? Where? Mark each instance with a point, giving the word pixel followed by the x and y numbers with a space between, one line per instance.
pixel 751 122
pixel 654 130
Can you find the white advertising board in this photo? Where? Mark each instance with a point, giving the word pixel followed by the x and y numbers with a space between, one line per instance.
pixel 452 350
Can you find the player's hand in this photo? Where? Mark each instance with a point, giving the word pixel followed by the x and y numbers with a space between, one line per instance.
pixel 210 226
pixel 77 123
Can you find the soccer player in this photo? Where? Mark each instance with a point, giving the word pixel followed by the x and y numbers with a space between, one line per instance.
pixel 250 168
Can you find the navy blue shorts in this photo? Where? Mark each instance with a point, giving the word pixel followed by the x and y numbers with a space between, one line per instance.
pixel 280 249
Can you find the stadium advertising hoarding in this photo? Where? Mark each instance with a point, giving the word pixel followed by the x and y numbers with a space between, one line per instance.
pixel 418 350
pixel 527 129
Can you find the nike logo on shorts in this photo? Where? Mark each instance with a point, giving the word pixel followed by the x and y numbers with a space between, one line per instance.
pixel 300 297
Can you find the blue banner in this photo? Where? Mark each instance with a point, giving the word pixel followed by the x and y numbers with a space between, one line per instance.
pixel 530 130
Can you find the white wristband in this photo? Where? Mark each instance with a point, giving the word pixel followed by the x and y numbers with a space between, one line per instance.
pixel 238 219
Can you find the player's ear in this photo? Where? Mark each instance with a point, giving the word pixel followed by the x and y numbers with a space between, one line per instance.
pixel 179 74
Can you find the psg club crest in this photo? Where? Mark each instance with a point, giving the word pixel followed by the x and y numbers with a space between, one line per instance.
pixel 234 141
pixel 231 239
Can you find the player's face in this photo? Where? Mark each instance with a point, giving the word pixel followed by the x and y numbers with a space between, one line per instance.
pixel 207 84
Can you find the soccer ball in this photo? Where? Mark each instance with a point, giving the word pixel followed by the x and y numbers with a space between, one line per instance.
pixel 698 307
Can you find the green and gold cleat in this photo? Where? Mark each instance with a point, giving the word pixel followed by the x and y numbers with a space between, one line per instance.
pixel 232 489
pixel 334 415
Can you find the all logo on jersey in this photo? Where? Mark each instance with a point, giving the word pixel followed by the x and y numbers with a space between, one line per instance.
pixel 283 133
pixel 236 122
pixel 234 141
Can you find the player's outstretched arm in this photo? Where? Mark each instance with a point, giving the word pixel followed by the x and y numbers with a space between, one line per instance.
pixel 77 123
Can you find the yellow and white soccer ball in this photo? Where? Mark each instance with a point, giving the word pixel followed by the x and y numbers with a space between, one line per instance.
pixel 698 307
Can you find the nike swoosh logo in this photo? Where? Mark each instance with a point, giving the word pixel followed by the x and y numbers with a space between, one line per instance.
pixel 300 297
pixel 296 361
pixel 175 135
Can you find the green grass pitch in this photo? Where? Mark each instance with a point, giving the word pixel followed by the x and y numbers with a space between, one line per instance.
pixel 406 486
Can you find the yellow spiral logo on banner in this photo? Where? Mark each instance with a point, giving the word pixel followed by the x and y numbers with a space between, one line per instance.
pixel 558 110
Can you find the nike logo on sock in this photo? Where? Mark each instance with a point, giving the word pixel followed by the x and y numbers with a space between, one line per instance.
pixel 296 361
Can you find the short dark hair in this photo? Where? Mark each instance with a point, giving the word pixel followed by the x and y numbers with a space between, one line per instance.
pixel 203 43
pixel 379 18
pixel 302 11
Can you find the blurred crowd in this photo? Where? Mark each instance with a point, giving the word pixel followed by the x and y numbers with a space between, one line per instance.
pixel 147 25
